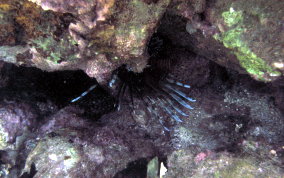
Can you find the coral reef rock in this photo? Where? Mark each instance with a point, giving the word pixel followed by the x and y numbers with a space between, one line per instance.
pixel 243 35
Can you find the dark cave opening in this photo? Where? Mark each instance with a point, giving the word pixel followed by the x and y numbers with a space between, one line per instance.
pixel 137 169
pixel 34 85
pixel 60 87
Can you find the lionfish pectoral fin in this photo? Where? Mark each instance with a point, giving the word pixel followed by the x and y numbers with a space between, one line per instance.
pixel 131 96
pixel 180 111
pixel 177 82
pixel 180 93
pixel 174 116
pixel 177 98
pixel 119 95
pixel 168 110
pixel 84 94
pixel 176 108
pixel 166 128
pixel 152 102
pixel 180 101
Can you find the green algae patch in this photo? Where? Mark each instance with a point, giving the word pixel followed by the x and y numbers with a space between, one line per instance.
pixel 232 17
pixel 153 168
pixel 56 50
pixel 232 38
pixel 240 168
pixel 3 137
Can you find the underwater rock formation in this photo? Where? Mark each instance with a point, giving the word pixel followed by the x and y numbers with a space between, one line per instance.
pixel 81 148
pixel 95 36
pixel 146 69
pixel 188 163
pixel 243 35
pixel 16 119
pixel 231 109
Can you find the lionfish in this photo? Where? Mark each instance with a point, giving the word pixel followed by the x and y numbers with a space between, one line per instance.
pixel 158 90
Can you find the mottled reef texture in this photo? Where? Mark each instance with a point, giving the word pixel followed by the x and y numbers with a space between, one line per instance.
pixel 243 35
pixel 95 36
pixel 229 52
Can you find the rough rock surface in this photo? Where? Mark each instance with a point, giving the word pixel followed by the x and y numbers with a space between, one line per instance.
pixel 243 35
pixel 71 155
pixel 16 120
pixel 86 149
pixel 236 126
pixel 232 112
pixel 187 163
pixel 96 36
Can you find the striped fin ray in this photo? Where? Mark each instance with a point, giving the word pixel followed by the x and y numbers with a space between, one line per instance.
pixel 84 93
